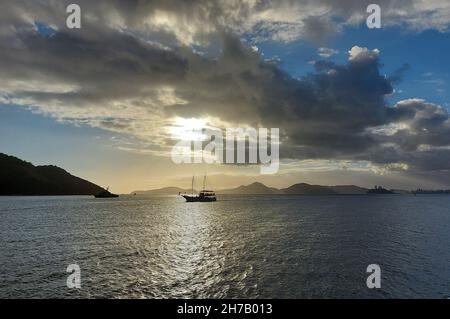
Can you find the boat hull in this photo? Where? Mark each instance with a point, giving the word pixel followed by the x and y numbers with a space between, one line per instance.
pixel 192 199
pixel 106 194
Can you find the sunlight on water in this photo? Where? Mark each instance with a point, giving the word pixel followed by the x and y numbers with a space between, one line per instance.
pixel 266 247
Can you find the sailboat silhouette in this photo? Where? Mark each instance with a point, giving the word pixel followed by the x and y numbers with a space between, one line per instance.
pixel 203 196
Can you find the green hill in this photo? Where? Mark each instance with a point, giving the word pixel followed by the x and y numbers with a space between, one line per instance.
pixel 18 177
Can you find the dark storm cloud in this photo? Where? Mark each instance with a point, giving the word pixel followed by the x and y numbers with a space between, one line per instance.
pixel 429 127
pixel 69 57
pixel 327 113
pixel 131 66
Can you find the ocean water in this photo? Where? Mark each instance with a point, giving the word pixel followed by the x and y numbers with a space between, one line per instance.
pixel 238 247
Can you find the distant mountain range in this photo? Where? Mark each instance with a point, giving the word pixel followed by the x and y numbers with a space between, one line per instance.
pixel 261 189
pixel 18 177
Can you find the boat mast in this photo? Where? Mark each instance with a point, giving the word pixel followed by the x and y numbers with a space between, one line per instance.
pixel 204 182
pixel 192 188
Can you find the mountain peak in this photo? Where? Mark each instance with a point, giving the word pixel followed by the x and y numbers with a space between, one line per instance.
pixel 257 184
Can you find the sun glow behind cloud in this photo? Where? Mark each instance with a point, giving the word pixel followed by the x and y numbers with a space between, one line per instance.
pixel 187 129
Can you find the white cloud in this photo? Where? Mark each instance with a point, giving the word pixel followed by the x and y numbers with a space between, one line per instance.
pixel 360 53
pixel 327 52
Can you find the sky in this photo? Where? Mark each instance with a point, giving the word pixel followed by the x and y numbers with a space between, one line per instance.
pixel 354 105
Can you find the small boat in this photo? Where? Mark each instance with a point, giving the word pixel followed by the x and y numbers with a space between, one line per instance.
pixel 106 194
pixel 204 195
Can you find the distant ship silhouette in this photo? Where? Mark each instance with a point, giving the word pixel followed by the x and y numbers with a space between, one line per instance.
pixel 379 190
pixel 106 194
pixel 203 196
